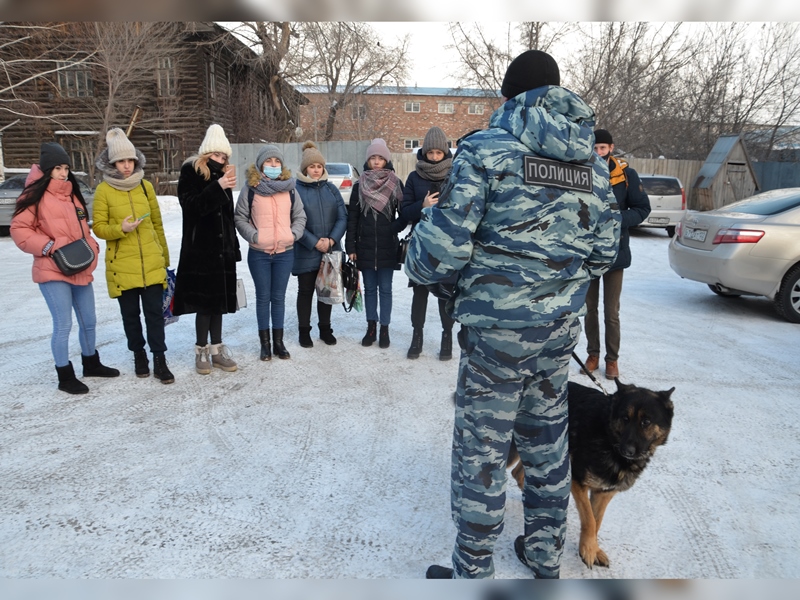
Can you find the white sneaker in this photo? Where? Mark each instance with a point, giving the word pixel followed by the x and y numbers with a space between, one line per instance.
pixel 201 364
pixel 221 358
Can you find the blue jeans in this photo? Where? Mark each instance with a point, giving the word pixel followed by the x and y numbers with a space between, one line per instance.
pixel 378 282
pixel 270 274
pixel 61 298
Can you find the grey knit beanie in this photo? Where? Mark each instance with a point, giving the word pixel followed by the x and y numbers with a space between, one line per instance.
pixel 51 155
pixel 119 146
pixel 378 147
pixel 435 139
pixel 311 155
pixel 268 151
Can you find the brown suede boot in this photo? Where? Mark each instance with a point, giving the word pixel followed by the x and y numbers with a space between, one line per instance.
pixel 592 362
pixel 612 371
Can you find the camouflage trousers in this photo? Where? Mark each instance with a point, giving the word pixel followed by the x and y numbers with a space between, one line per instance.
pixel 511 382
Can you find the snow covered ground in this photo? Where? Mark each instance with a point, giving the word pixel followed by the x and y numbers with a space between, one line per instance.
pixel 335 464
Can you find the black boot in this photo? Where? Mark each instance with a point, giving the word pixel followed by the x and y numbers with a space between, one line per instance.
pixel 383 339
pixel 446 349
pixel 266 349
pixel 371 336
pixel 67 382
pixel 160 369
pixel 416 344
pixel 92 367
pixel 277 344
pixel 141 366
pixel 305 338
pixel 438 572
pixel 326 334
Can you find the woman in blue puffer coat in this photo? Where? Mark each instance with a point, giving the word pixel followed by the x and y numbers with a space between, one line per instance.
pixel 326 222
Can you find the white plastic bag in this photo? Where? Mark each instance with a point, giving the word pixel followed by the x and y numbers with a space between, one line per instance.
pixel 330 289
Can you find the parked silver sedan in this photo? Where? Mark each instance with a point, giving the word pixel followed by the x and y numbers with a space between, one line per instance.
pixel 12 187
pixel 750 247
pixel 343 176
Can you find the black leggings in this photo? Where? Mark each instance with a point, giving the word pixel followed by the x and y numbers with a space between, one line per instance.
pixel 306 285
pixel 205 324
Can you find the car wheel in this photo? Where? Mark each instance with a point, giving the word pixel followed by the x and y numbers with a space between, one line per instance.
pixel 671 231
pixel 787 301
pixel 719 292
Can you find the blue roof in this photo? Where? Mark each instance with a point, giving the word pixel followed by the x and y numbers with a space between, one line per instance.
pixel 404 91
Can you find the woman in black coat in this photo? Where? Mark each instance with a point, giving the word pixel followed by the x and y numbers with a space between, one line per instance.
pixel 434 161
pixel 206 278
pixel 372 228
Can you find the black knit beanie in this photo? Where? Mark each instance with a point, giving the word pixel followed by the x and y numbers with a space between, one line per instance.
pixel 530 70
pixel 602 136
pixel 51 155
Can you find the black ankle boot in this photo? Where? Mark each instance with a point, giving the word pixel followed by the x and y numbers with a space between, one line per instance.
pixel 326 334
pixel 416 344
pixel 446 349
pixel 141 365
pixel 304 339
pixel 277 344
pixel 383 339
pixel 92 367
pixel 161 370
pixel 266 350
pixel 371 336
pixel 67 382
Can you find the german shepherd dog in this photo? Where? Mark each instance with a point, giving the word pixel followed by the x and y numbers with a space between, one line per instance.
pixel 611 440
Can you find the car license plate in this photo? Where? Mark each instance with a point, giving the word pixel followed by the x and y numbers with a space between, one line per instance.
pixel 658 220
pixel 698 235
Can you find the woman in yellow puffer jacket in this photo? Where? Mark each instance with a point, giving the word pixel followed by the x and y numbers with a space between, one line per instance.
pixel 127 216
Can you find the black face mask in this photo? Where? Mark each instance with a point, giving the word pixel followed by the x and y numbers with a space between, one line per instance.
pixel 215 166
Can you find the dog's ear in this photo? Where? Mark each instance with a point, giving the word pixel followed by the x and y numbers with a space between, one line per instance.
pixel 666 398
pixel 623 387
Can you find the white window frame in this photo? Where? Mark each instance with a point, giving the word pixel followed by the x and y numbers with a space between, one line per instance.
pixel 358 112
pixel 212 79
pixel 411 144
pixel 447 108
pixel 412 107
pixel 475 109
pixel 165 77
pixel 75 81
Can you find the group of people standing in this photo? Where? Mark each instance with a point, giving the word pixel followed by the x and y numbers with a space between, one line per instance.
pixel 288 222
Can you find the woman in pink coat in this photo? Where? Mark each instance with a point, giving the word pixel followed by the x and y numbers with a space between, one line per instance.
pixel 51 213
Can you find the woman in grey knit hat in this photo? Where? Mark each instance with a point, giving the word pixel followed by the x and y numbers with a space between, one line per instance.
pixel 434 161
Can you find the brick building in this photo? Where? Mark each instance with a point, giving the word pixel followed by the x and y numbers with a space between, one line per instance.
pixel 400 115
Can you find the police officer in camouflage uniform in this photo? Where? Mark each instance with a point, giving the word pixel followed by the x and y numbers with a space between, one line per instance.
pixel 524 222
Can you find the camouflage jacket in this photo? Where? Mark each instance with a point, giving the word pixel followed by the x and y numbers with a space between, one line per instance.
pixel 526 217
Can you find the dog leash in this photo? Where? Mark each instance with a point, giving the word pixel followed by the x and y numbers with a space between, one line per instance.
pixel 592 377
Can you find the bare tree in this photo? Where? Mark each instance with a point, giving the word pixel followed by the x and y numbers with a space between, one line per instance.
pixel 630 73
pixel 31 54
pixel 482 60
pixel 545 36
pixel 268 52
pixel 346 60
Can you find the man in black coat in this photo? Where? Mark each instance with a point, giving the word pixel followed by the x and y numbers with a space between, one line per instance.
pixel 634 206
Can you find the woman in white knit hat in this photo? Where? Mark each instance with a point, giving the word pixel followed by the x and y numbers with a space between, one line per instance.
pixel 127 216
pixel 206 279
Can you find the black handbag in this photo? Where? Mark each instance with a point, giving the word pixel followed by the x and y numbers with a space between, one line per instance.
pixel 76 256
pixel 402 249
pixel 350 276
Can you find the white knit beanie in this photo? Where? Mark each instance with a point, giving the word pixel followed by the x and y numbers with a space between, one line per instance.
pixel 215 141
pixel 119 146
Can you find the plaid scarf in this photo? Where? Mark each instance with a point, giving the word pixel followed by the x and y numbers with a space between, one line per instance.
pixel 380 192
